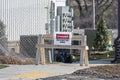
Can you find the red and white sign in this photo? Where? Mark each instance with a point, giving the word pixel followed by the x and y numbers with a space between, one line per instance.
pixel 62 38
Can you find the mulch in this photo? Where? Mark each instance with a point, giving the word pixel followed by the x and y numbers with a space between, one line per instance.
pixel 107 72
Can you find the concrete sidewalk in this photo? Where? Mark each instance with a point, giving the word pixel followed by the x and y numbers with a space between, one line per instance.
pixel 32 72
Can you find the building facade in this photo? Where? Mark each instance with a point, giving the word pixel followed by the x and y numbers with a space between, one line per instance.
pixel 24 17
pixel 64 19
pixel 28 17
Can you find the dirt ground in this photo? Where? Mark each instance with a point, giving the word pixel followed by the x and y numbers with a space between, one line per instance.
pixel 104 72
pixel 108 69
pixel 107 72
pixel 10 60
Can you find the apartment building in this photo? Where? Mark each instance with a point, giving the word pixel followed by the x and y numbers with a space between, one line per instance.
pixel 64 22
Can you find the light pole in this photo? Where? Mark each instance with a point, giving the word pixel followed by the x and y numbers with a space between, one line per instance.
pixel 47 24
pixel 47 16
pixel 119 18
pixel 93 7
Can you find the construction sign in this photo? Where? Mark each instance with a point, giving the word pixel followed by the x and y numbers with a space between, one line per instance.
pixel 62 38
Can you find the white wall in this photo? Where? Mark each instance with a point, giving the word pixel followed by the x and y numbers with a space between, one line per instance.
pixel 59 3
pixel 23 17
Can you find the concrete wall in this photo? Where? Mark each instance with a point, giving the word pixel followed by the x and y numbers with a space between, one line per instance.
pixel 14 46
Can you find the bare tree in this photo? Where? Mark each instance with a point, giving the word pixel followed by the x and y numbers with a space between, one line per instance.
pixel 103 7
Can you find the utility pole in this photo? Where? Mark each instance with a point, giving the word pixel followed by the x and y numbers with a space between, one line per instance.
pixel 119 18
pixel 93 7
pixel 48 20
pixel 47 24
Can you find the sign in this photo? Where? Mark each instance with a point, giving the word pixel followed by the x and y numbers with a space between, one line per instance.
pixel 62 38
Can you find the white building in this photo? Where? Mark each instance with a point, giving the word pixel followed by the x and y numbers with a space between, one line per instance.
pixel 63 16
pixel 27 17
pixel 64 22
pixel 59 3
pixel 24 17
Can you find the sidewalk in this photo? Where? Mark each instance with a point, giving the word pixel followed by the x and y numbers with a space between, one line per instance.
pixel 32 72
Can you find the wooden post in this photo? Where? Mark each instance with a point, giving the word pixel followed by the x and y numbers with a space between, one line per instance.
pixel 82 57
pixel 50 59
pixel 82 53
pixel 52 53
pixel 42 52
pixel 37 61
pixel 86 59
pixel 86 53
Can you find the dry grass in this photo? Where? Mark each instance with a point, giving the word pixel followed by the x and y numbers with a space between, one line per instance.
pixel 10 60
pixel 109 69
pixel 3 66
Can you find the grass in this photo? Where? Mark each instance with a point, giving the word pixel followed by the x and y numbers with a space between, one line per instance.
pixel 3 66
pixel 101 55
